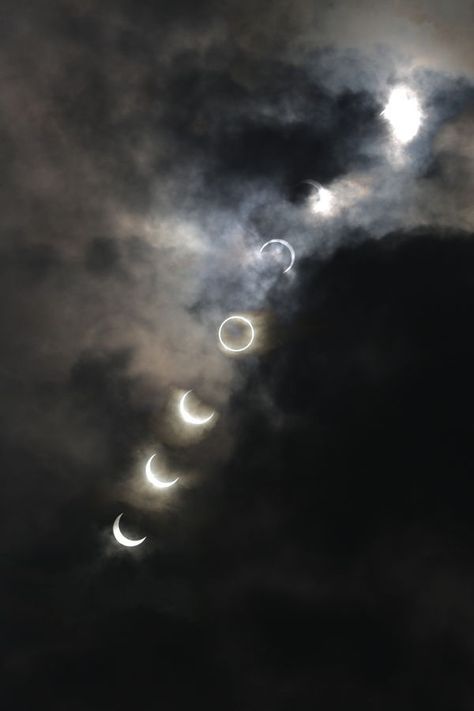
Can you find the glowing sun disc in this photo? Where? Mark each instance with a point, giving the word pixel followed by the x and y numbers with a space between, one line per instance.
pixel 243 320
pixel 322 201
pixel 403 113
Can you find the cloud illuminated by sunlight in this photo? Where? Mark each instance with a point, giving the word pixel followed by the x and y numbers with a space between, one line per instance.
pixel 321 200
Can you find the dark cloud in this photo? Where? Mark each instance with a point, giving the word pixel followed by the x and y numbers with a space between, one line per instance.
pixel 346 570
pixel 102 255
pixel 328 560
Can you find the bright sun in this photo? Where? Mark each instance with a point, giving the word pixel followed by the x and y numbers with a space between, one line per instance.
pixel 403 112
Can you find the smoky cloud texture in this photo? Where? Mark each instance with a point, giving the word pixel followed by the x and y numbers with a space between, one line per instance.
pixel 328 561
pixel 150 149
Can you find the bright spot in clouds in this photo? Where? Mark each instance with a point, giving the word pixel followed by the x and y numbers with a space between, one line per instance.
pixel 403 112
pixel 321 200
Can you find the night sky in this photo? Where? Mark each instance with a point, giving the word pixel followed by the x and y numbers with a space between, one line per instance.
pixel 317 551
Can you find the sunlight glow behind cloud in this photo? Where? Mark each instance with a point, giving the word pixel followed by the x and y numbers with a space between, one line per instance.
pixel 404 114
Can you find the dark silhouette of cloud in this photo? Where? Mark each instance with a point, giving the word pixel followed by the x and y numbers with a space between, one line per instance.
pixel 328 560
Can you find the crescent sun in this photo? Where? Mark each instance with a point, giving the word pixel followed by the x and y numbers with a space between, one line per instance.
pixel 187 417
pixel 123 540
pixel 153 479
pixel 285 244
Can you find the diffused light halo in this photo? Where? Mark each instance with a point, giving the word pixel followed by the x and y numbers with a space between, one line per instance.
pixel 403 112
pixel 285 244
pixel 244 320
pixel 123 540
pixel 153 479
pixel 192 419
pixel 321 203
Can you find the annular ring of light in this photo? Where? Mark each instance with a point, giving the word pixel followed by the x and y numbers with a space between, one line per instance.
pixel 243 320
pixel 286 244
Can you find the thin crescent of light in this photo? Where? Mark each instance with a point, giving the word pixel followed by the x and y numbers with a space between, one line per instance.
pixel 153 479
pixel 247 323
pixel 187 417
pixel 285 244
pixel 314 183
pixel 123 540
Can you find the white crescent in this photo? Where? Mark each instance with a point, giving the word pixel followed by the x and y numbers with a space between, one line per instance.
pixel 153 479
pixel 249 326
pixel 285 244
pixel 123 540
pixel 187 417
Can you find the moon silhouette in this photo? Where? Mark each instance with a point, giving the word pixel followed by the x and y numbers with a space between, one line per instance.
pixel 285 244
pixel 192 419
pixel 247 323
pixel 153 479
pixel 123 540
